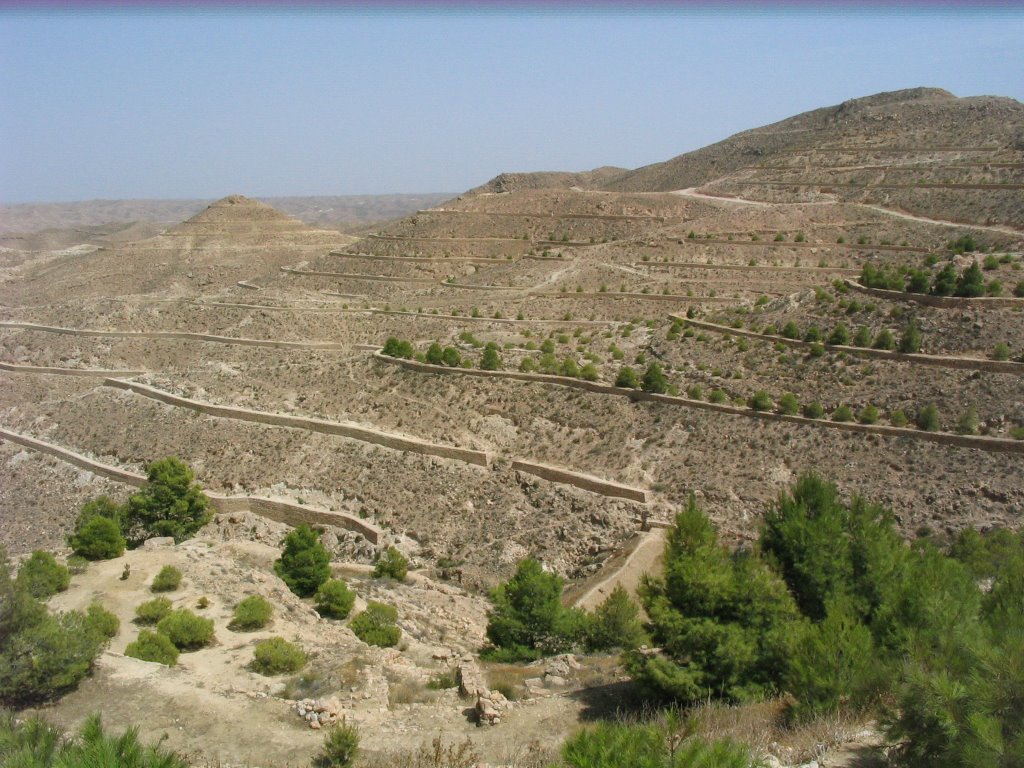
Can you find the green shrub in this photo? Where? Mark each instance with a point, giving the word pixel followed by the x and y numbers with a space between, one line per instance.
pixel 435 354
pixel 528 365
pixel 842 413
pixel 910 342
pixel 102 620
pixel 724 622
pixel 376 625
pixel 945 281
pixel 589 372
pixel 252 612
pixel 626 378
pixel 695 392
pixel 490 360
pixel 451 357
pixel 41 655
pixel 615 624
pixel 928 418
pixel 42 576
pixel 334 599
pixel 1001 351
pixel 971 283
pixel 167 580
pixel 1018 290
pixel 868 415
pixel 153 646
pixel 863 337
pixel 98 538
pixel 304 563
pixel 816 350
pixel 840 335
pixel 898 418
pixel 570 368
pixel 276 656
pixel 527 619
pixel 813 334
pixel 618 745
pixel 32 743
pixel 788 404
pixel 814 410
pixel 169 504
pixel 884 340
pixel 760 401
pixel 654 380
pixel 341 745
pixel 791 330
pixel 151 611
pixel 187 631
pixel 968 423
pixel 391 564
pixel 717 396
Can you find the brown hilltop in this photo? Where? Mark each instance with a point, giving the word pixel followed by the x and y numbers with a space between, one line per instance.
pixel 235 238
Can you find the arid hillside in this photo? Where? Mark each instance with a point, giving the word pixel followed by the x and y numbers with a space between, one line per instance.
pixel 568 358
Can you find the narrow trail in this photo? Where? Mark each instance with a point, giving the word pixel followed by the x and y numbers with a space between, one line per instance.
pixel 942 222
pixel 692 192
pixel 645 558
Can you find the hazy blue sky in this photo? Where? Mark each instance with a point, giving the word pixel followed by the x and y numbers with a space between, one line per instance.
pixel 158 104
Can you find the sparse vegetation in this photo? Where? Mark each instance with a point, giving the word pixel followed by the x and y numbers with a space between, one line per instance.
pixel 277 656
pixel 376 625
pixel 167 580
pixel 334 600
pixel 304 563
pixel 252 612
pixel 391 564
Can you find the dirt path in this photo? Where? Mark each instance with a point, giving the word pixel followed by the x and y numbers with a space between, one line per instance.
pixel 911 217
pixel 692 192
pixel 645 558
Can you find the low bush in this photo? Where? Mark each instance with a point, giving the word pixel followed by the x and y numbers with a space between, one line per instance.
pixel 341 745
pixel 760 401
pixel 304 563
pixel 869 415
pixel 98 538
pixel 628 745
pixel 788 404
pixel 814 410
pixel 167 580
pixel 151 611
pixel 842 413
pixel 898 418
pixel 42 576
pixel 928 418
pixel 1001 351
pixel 615 624
pixel 153 646
pixel 276 656
pixel 42 655
pixel 717 396
pixel 654 380
pixel 32 743
pixel 391 564
pixel 626 378
pixel 376 625
pixel 187 631
pixel 102 620
pixel 252 612
pixel 334 599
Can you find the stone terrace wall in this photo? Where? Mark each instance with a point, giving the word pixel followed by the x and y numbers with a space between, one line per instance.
pixel 103 373
pixel 996 444
pixel 352 431
pixel 940 361
pixel 942 302
pixel 281 511
pixel 176 335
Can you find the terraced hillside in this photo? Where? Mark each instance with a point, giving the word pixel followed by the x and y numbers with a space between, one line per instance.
pixel 562 366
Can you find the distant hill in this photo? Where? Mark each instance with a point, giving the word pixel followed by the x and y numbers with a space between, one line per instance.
pixel 325 212
pixel 921 151
pixel 916 118
pixel 511 182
